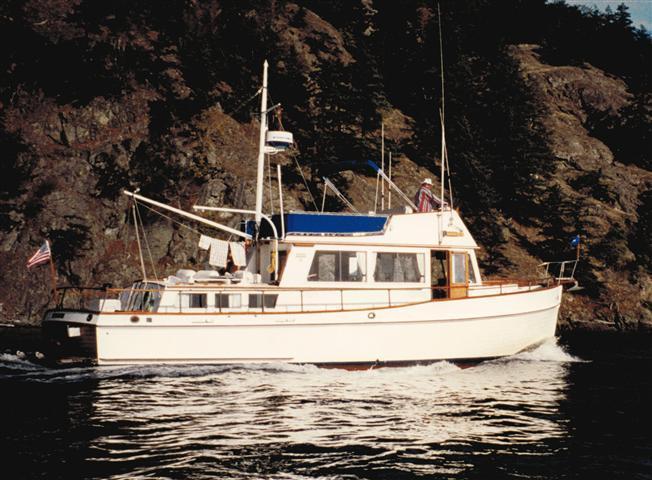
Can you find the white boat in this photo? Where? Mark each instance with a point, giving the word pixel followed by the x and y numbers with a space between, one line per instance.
pixel 330 289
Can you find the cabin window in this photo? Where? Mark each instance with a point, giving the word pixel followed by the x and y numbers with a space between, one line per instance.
pixel 399 267
pixel 459 267
pixel 228 300
pixel 197 300
pixel 257 300
pixel 471 273
pixel 338 267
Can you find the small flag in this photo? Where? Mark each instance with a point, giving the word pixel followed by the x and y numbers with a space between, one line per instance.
pixel 575 241
pixel 42 255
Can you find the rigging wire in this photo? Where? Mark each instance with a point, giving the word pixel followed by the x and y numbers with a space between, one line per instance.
pixel 140 250
pixel 448 177
pixel 128 232
pixel 296 160
pixel 149 252
pixel 269 157
pixel 245 102
pixel 269 182
pixel 172 219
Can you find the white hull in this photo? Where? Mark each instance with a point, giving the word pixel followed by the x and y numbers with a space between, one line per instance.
pixel 460 329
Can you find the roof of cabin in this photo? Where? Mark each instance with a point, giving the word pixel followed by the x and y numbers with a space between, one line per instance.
pixel 432 229
pixel 317 223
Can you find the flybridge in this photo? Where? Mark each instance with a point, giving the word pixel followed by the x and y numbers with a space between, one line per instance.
pixel 306 223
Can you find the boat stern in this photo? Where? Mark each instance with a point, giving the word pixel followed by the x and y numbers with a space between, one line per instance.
pixel 69 337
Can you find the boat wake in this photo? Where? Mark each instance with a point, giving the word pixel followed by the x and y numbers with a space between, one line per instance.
pixel 19 365
pixel 17 361
pixel 549 351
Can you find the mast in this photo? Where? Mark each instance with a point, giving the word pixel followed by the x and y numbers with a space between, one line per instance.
pixel 261 146
pixel 441 111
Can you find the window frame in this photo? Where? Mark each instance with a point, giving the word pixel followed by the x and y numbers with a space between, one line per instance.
pixel 420 263
pixel 192 295
pixel 340 266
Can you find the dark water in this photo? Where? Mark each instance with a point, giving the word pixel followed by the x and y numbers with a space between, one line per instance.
pixel 577 408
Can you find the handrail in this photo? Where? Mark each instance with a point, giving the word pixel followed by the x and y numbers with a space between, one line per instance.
pixel 562 269
pixel 492 287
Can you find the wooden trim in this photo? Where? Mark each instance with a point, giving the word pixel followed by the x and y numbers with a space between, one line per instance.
pixel 346 322
pixel 323 311
pixel 416 245
pixel 274 288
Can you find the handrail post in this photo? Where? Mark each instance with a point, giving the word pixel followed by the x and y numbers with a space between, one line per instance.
pixel 389 297
pixel 341 300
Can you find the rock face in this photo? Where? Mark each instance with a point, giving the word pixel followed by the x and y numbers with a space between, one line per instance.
pixel 131 99
pixel 604 193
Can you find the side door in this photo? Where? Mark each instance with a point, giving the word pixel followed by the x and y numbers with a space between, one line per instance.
pixel 439 273
pixel 459 274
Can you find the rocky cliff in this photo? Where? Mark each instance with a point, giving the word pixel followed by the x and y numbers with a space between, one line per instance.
pixel 98 98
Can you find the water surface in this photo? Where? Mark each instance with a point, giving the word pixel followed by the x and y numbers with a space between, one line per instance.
pixel 560 412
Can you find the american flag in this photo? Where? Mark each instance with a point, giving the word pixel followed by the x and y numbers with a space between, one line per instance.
pixel 42 255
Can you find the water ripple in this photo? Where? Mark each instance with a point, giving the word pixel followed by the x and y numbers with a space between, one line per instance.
pixel 295 422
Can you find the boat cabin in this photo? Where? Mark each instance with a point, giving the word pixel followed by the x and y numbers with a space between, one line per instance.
pixel 329 261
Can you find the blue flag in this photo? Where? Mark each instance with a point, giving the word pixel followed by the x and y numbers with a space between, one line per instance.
pixel 575 241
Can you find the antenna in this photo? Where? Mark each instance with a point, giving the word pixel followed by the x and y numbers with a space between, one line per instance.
pixel 441 62
pixel 441 110
pixel 389 194
pixel 382 165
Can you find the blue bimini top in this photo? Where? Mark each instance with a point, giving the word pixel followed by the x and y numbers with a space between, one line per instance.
pixel 307 223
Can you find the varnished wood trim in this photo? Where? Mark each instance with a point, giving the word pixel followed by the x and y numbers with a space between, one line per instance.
pixel 314 324
pixel 429 246
pixel 267 312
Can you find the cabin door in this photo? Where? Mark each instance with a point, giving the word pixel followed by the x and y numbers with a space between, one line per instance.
pixel 439 273
pixel 459 277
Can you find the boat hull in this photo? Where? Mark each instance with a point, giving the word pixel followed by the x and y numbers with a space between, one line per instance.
pixel 462 330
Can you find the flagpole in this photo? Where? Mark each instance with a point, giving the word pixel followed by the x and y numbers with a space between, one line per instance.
pixel 53 274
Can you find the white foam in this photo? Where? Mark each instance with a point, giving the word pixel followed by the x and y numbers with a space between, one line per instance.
pixel 550 351
pixel 17 362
